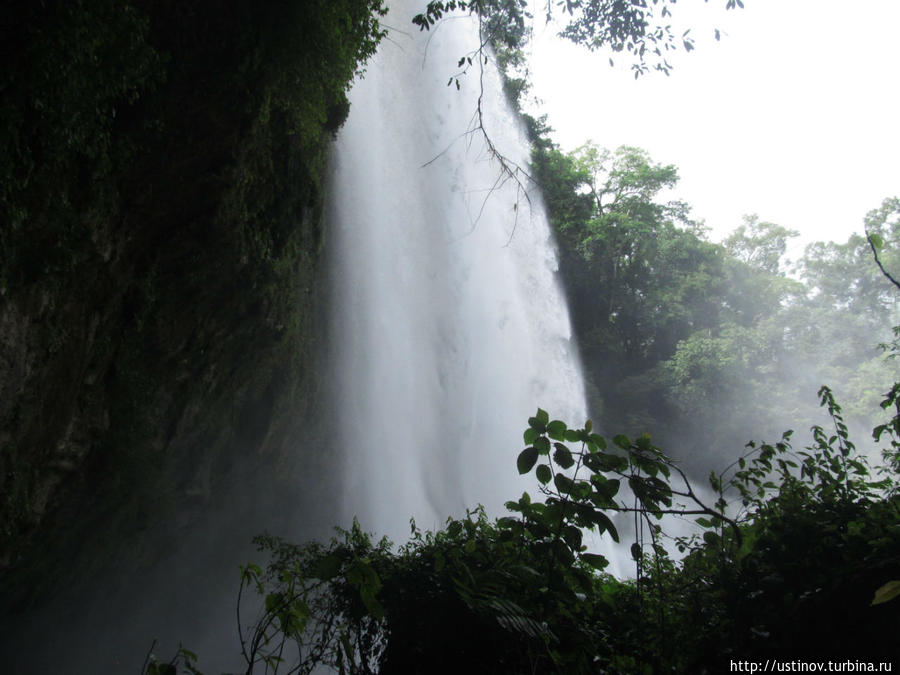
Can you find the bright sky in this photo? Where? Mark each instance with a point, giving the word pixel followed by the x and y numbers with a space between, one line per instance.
pixel 793 115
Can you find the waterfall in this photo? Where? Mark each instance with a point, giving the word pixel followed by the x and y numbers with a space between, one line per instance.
pixel 449 327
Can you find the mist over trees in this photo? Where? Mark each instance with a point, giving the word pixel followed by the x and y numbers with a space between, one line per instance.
pixel 709 345
pixel 795 557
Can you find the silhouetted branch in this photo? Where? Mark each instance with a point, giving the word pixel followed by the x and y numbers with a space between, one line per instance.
pixel 878 262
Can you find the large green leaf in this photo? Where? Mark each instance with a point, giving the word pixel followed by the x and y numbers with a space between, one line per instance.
pixel 527 459
pixel 595 560
pixel 563 483
pixel 622 441
pixel 557 430
pixel 563 456
pixel 604 523
pixel 544 474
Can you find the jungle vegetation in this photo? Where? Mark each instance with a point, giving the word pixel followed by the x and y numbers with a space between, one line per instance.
pixel 160 198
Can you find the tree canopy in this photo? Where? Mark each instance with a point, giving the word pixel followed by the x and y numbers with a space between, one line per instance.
pixel 679 334
pixel 640 29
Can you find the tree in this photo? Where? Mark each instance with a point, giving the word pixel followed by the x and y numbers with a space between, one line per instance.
pixel 760 245
pixel 876 222
pixel 676 333
pixel 640 29
pixel 505 28
pixel 518 594
pixel 799 558
pixel 637 272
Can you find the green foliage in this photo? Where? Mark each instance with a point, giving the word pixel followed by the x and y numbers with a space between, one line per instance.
pixel 521 594
pixel 798 558
pixel 805 567
pixel 639 28
pixel 185 659
pixel 74 74
pixel 820 537
pixel 161 185
pixel 638 275
pixel 637 280
pixel 677 334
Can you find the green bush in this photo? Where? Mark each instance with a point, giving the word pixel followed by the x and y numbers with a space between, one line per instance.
pixel 789 570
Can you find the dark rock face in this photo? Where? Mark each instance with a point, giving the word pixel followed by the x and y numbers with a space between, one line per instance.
pixel 159 247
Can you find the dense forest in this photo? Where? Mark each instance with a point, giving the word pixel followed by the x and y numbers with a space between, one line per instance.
pixel 706 344
pixel 161 197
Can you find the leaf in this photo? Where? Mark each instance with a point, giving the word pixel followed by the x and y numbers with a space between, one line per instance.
pixel 711 538
pixel 562 456
pixel 557 430
pixel 273 600
pixel 328 567
pixel 367 594
pixel 543 416
pixel 469 546
pixel 527 459
pixel 887 592
pixel 572 436
pixel 595 560
pixel 573 537
pixel 543 473
pixel 603 521
pixel 536 424
pixel 608 487
pixel 622 441
pixel 636 551
pixel 530 436
pixel 563 483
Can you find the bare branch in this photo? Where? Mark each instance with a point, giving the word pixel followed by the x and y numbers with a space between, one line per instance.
pixel 509 170
pixel 147 658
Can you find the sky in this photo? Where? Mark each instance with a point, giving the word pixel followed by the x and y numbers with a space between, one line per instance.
pixel 793 115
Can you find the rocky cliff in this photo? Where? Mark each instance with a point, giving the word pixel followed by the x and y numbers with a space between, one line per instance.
pixel 162 167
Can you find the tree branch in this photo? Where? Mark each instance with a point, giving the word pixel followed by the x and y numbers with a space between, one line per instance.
pixel 878 262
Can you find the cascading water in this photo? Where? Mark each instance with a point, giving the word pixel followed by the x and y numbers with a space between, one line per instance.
pixel 449 330
pixel 449 326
